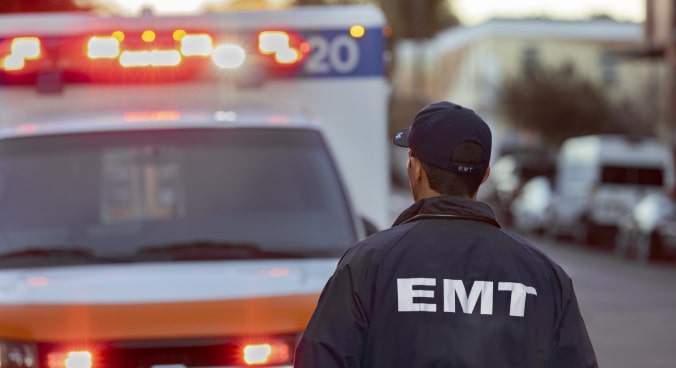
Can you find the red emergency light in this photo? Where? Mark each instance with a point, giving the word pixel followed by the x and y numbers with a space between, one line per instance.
pixel 283 47
pixel 145 56
pixel 266 353
pixel 17 53
pixel 151 56
pixel 71 359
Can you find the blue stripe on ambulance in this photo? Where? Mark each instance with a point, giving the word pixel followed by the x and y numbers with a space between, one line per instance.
pixel 337 54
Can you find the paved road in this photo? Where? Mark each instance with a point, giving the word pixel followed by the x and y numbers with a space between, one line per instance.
pixel 629 309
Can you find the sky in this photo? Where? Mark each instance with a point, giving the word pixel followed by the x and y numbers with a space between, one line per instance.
pixel 469 11
pixel 473 11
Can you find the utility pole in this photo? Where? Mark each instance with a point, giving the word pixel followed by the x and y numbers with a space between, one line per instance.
pixel 670 54
pixel 660 34
pixel 420 22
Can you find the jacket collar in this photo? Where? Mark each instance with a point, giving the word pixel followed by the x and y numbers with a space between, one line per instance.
pixel 450 207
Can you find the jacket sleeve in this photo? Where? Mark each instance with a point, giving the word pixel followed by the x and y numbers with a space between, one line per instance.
pixel 335 334
pixel 572 346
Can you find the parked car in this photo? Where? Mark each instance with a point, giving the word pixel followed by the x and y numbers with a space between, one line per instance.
pixel 649 231
pixel 531 208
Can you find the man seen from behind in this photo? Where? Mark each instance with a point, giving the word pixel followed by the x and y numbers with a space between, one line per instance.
pixel 446 286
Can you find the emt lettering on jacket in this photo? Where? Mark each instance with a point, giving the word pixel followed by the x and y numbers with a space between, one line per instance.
pixel 455 289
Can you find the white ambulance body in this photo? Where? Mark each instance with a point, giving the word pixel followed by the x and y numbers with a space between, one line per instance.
pixel 168 192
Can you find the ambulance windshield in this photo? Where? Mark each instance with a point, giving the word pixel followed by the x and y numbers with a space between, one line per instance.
pixel 263 192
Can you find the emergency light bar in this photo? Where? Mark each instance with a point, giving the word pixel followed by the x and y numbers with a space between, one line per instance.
pixel 150 55
pixel 183 45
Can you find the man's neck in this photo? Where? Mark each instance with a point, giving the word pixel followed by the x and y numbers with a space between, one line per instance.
pixel 433 193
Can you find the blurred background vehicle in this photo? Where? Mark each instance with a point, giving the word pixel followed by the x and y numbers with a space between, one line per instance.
pixel 600 178
pixel 531 209
pixel 649 231
pixel 509 173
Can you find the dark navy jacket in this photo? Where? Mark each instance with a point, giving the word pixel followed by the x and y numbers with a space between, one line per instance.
pixel 446 287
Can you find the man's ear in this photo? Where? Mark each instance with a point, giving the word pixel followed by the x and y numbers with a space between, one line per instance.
pixel 486 175
pixel 415 168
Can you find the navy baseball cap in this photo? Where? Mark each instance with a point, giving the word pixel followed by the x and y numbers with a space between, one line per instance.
pixel 438 129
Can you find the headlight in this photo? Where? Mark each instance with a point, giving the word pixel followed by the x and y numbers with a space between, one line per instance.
pixel 18 355
pixel 268 352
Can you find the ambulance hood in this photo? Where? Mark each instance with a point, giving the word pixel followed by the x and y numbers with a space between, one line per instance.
pixel 160 300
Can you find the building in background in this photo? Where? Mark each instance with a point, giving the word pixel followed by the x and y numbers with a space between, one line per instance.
pixel 659 42
pixel 468 64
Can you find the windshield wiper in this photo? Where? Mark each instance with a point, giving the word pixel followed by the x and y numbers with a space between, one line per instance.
pixel 212 250
pixel 48 256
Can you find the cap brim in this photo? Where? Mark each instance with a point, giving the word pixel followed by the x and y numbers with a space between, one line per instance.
pixel 401 138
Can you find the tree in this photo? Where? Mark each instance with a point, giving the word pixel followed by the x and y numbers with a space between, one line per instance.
pixel 558 104
pixel 408 18
pixel 314 2
pixel 23 6
pixel 417 19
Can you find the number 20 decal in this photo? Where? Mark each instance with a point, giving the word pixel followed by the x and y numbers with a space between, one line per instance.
pixel 341 54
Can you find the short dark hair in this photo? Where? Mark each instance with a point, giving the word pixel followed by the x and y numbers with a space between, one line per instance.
pixel 448 182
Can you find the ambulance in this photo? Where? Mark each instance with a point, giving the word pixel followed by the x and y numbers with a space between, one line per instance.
pixel 175 191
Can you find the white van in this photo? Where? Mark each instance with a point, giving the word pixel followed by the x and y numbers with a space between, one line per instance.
pixel 601 177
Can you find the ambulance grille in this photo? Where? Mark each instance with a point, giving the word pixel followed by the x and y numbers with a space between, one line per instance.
pixel 157 353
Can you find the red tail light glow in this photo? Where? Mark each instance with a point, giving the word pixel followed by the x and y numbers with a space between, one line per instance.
pixel 160 115
pixel 267 353
pixel 28 128
pixel 71 359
